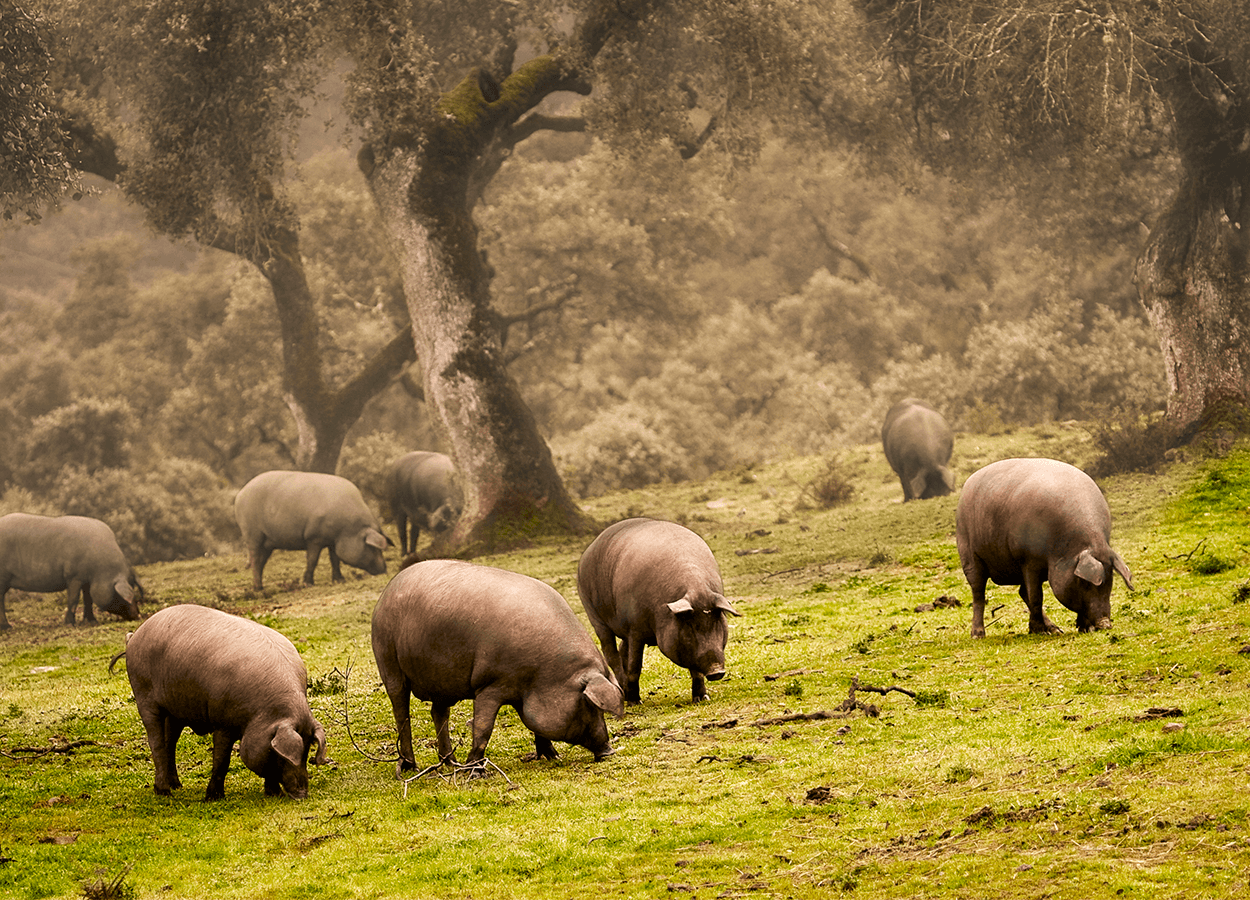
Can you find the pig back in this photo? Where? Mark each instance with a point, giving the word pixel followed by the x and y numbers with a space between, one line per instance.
pixel 291 508
pixel 1016 510
pixel 210 669
pixel 449 627
pixel 45 553
pixel 636 565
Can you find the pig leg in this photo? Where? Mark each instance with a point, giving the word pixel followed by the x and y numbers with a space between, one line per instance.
pixel 440 714
pixel 88 613
pixel 4 619
pixel 544 749
pixel 71 604
pixel 698 686
pixel 223 744
pixel 485 708
pixel 631 649
pixel 977 577
pixel 336 573
pixel 401 707
pixel 607 640
pixel 401 521
pixel 257 557
pixel 162 734
pixel 312 553
pixel 1031 593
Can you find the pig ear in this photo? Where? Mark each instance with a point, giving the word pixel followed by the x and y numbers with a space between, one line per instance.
pixel 680 606
pixel 948 477
pixel 1089 568
pixel 288 744
pixel 122 586
pixel 1122 567
pixel 376 539
pixel 319 735
pixel 918 484
pixel 722 603
pixel 604 694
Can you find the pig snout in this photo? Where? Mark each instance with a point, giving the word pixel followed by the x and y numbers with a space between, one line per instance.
pixel 604 753
pixel 715 673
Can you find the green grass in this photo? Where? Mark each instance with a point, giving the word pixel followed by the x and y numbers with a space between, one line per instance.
pixel 1026 766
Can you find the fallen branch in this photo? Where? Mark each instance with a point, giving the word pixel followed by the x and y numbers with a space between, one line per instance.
pixel 1190 554
pixel 884 691
pixel 36 752
pixel 347 722
pixel 789 674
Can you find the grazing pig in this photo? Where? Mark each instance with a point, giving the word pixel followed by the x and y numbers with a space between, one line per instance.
pixel 445 631
pixel 199 668
pixel 308 511
pixel 918 446
pixel 1025 521
pixel 66 553
pixel 652 582
pixel 422 488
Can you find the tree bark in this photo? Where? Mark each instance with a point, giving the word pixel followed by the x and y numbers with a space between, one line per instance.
pixel 1194 275
pixel 323 415
pixel 425 191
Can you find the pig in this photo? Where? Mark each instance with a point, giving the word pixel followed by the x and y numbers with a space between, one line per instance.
pixel 422 488
pixel 194 667
pixel 308 511
pixel 1025 521
pixel 651 582
pixel 447 630
pixel 918 445
pixel 67 553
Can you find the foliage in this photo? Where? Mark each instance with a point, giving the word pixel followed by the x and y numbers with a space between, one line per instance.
pixel 36 170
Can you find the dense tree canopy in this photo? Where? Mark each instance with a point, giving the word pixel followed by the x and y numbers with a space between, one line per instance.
pixel 35 166
pixel 1097 90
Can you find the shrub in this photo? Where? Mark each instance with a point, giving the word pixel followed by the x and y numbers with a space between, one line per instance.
pixel 617 450
pixel 832 486
pixel 88 434
pixel 177 510
pixel 1128 443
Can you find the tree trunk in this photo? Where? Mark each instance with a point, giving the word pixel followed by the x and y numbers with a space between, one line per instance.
pixel 1194 276
pixel 323 415
pixel 425 193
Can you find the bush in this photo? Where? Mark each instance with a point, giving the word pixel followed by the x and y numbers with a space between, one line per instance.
pixel 177 510
pixel 1128 443
pixel 831 487
pixel 88 434
pixel 617 450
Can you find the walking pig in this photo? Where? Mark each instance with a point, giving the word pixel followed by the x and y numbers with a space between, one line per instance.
pixel 199 668
pixel 66 553
pixel 1025 521
pixel 445 631
pixel 308 511
pixel 656 583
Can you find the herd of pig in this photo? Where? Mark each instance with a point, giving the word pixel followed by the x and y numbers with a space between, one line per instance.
pixel 446 630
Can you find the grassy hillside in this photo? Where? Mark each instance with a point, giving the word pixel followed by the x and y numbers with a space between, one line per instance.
pixel 1078 765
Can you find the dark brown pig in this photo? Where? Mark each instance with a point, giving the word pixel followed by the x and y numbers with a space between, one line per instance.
pixel 445 631
pixel 423 492
pixel 199 668
pixel 656 583
pixel 1025 521
pixel 75 554
pixel 918 445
